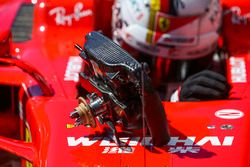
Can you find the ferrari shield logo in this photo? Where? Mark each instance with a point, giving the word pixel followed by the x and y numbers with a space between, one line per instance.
pixel 163 24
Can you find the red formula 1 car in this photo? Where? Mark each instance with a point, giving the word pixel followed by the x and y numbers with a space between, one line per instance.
pixel 40 83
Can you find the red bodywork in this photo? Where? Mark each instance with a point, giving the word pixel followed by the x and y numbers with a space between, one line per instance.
pixel 45 72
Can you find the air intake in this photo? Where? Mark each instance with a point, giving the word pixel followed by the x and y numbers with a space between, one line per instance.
pixel 22 26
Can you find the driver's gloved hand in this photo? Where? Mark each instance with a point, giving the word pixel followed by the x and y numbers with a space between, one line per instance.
pixel 205 85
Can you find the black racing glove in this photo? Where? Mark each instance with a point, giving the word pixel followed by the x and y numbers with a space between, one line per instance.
pixel 205 85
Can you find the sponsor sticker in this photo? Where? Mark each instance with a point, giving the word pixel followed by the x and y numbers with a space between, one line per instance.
pixel 73 68
pixel 238 69
pixel 66 19
pixel 229 114
pixel 136 9
pixel 189 144
pixel 237 17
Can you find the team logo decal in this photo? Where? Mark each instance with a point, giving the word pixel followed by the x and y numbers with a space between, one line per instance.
pixel 229 114
pixel 163 24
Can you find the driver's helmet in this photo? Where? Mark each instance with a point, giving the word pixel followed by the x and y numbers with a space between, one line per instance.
pixel 176 29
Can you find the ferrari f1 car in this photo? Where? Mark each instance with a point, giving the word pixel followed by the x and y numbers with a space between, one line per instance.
pixel 48 92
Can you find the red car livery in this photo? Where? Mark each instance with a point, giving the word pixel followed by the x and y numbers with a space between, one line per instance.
pixel 39 72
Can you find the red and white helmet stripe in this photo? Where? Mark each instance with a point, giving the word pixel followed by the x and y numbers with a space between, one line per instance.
pixel 187 32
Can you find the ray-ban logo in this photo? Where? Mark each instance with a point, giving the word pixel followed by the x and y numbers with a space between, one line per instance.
pixel 62 18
